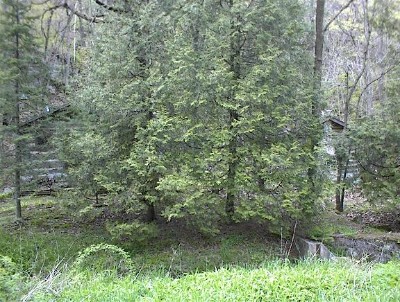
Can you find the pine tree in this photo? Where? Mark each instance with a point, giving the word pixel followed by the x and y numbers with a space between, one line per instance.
pixel 240 87
pixel 116 95
pixel 21 86
pixel 376 140
pixel 202 110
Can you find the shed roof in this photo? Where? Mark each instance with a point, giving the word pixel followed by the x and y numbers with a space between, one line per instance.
pixel 335 123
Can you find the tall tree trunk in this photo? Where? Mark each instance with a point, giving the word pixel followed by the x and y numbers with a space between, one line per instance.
pixel 18 156
pixel 18 159
pixel 318 49
pixel 235 46
pixel 343 163
pixel 47 35
pixel 232 166
pixel 68 43
pixel 155 178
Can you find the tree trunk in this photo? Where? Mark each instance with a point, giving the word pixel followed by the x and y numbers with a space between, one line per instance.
pixel 151 212
pixel 234 64
pixel 68 52
pixel 318 49
pixel 18 156
pixel 17 181
pixel 233 162
pixel 340 189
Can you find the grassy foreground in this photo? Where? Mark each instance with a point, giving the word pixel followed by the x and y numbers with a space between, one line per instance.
pixel 276 281
pixel 38 257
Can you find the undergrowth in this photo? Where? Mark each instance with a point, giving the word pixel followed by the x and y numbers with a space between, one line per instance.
pixel 273 281
pixel 56 256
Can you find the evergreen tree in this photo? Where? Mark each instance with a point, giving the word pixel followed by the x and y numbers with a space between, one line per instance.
pixel 22 88
pixel 376 140
pixel 116 96
pixel 202 110
pixel 240 87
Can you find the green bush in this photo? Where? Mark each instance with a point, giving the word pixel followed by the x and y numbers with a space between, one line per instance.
pixel 104 258
pixel 90 214
pixel 133 232
pixel 4 196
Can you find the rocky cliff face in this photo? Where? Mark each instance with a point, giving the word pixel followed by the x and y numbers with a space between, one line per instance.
pixel 377 250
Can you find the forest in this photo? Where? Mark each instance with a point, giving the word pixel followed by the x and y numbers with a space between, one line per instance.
pixel 178 150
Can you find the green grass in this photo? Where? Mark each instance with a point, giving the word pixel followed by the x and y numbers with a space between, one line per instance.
pixel 52 234
pixel 45 237
pixel 37 253
pixel 178 265
pixel 274 281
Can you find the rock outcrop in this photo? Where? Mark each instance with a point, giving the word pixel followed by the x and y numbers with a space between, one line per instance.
pixel 377 250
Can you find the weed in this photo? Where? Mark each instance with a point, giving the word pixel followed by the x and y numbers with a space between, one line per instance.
pixel 103 257
pixel 11 281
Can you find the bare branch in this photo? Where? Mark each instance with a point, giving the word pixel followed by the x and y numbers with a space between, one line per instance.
pixel 374 80
pixel 110 8
pixel 337 15
pixel 46 31
pixel 94 19
pixel 365 59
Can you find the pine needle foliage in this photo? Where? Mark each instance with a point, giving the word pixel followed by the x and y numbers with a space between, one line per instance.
pixel 201 111
pixel 22 89
pixel 376 139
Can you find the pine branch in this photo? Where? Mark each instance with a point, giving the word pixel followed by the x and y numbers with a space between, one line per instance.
pixel 374 173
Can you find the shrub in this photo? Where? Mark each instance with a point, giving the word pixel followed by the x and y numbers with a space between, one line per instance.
pixel 133 232
pixel 90 214
pixel 100 258
pixel 5 196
